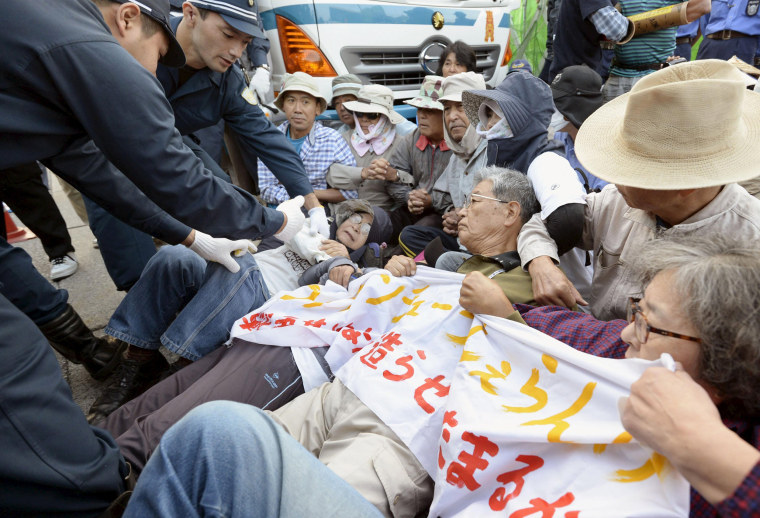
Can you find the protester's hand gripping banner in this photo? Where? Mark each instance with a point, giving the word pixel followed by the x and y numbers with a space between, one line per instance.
pixel 507 420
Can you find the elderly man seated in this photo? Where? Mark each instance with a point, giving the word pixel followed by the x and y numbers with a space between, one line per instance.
pixel 702 417
pixel 318 146
pixel 456 181
pixel 666 183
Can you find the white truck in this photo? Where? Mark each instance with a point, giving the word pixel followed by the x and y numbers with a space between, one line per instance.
pixel 392 43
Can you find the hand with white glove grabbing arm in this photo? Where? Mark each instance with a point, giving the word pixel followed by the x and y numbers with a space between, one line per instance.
pixel 218 249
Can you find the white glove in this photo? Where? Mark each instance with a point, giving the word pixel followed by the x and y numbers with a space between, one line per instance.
pixel 218 249
pixel 292 210
pixel 318 221
pixel 306 244
pixel 261 83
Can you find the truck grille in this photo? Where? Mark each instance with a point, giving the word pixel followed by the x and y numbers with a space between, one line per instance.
pixel 399 68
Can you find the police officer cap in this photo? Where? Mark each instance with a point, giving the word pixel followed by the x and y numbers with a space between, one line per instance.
pixel 159 11
pixel 241 14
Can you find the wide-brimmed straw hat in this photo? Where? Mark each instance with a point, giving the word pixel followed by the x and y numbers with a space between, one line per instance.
pixel 375 99
pixel 454 85
pixel 430 92
pixel 687 126
pixel 300 82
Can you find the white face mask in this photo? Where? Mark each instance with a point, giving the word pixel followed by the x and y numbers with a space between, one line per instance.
pixel 558 121
pixel 499 130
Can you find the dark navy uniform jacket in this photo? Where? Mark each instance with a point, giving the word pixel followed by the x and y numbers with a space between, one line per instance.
pixel 68 91
pixel 209 96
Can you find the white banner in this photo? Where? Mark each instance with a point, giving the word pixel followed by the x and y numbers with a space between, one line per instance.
pixel 507 420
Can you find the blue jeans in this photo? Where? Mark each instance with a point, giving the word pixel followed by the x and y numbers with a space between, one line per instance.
pixel 230 460
pixel 208 298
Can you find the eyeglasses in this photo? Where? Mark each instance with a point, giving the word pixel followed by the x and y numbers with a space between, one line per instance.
pixel 468 199
pixel 370 116
pixel 356 219
pixel 643 328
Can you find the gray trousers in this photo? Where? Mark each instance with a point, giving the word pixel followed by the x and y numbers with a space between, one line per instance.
pixel 264 376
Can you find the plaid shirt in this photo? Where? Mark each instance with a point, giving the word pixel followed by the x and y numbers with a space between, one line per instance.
pixel 609 22
pixel 322 148
pixel 585 333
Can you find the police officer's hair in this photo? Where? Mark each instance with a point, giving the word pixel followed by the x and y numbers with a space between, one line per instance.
pixel 149 25
pixel 510 185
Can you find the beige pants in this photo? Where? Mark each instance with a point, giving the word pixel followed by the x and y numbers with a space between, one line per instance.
pixel 333 424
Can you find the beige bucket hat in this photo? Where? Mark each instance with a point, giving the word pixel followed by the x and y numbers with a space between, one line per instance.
pixel 348 84
pixel 430 92
pixel 454 85
pixel 687 126
pixel 375 99
pixel 300 82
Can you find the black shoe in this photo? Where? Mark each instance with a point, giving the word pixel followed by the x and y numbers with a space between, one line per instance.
pixel 132 378
pixel 73 339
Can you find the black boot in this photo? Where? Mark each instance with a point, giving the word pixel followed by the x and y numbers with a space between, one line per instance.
pixel 73 339
pixel 132 379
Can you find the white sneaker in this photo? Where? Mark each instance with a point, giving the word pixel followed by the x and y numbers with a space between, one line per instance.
pixel 62 267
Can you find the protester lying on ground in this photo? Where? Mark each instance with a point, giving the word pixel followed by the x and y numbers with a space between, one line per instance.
pixel 243 373
pixel 373 137
pixel 456 181
pixel 716 347
pixel 318 146
pixel 667 183
pixel 189 306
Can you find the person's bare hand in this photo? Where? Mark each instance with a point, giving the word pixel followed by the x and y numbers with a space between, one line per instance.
pixel 419 200
pixel 401 266
pixel 483 296
pixel 675 416
pixel 333 248
pixel 451 222
pixel 380 169
pixel 665 407
pixel 341 274
pixel 550 286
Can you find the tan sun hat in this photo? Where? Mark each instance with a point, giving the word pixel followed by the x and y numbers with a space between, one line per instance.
pixel 687 126
pixel 375 99
pixel 454 85
pixel 430 92
pixel 300 82
pixel 348 84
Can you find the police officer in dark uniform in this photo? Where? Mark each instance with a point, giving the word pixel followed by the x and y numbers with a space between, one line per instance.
pixel 209 88
pixel 72 96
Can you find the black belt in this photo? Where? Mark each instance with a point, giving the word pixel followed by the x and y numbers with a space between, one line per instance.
pixel 646 66
pixel 685 39
pixel 727 34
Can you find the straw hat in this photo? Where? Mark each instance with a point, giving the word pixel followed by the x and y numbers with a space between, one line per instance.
pixel 687 126
pixel 300 82
pixel 430 92
pixel 375 99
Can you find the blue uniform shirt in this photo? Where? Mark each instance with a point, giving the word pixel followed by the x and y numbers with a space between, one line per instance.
pixel 209 96
pixel 72 96
pixel 732 15
pixel 589 181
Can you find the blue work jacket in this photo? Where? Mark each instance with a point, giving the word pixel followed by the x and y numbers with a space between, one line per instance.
pixel 73 98
pixel 209 96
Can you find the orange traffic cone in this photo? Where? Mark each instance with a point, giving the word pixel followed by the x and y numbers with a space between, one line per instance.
pixel 15 234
